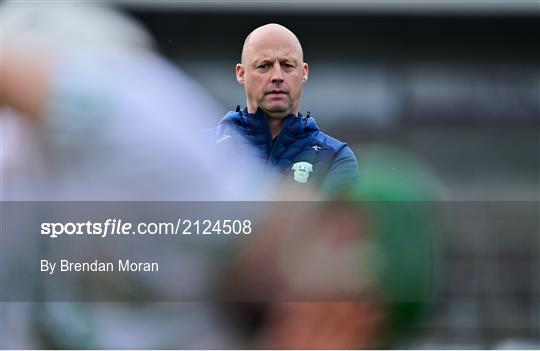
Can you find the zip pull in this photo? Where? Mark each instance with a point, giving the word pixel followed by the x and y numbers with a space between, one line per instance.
pixel 239 111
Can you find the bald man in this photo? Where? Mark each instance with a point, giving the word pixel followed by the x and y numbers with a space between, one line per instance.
pixel 272 71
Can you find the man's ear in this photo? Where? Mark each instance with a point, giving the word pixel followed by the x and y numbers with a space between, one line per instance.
pixel 240 73
pixel 305 71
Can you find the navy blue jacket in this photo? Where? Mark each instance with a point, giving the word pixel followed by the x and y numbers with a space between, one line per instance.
pixel 334 167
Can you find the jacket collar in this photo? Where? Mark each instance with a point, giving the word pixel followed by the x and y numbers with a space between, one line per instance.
pixel 293 125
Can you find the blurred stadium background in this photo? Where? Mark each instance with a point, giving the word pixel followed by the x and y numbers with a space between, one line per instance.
pixel 456 84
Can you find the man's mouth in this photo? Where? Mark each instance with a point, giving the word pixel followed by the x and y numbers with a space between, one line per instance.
pixel 275 92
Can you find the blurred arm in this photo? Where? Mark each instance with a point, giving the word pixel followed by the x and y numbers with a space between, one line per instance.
pixel 23 81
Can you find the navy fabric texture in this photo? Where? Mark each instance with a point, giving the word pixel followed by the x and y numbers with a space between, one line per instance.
pixel 335 168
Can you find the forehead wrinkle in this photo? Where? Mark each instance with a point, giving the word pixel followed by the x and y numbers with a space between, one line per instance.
pixel 281 53
pixel 272 58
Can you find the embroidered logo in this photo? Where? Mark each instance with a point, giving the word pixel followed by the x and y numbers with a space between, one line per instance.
pixel 223 138
pixel 302 171
pixel 316 147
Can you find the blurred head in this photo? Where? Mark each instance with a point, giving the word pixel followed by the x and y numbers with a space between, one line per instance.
pixel 36 34
pixel 54 26
pixel 272 71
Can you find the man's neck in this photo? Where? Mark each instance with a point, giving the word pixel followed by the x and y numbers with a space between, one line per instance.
pixel 275 126
pixel 275 122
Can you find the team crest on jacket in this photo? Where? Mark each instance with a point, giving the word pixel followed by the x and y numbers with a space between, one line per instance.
pixel 302 171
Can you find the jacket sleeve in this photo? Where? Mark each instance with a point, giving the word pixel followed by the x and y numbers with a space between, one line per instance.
pixel 343 174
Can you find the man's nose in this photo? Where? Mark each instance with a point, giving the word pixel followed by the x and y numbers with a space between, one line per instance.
pixel 277 73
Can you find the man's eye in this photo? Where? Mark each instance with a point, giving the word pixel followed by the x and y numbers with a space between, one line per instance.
pixel 264 65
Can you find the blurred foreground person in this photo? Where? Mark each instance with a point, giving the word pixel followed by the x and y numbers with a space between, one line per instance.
pixel 352 273
pixel 90 113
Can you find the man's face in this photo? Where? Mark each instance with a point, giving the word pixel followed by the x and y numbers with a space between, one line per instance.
pixel 273 74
